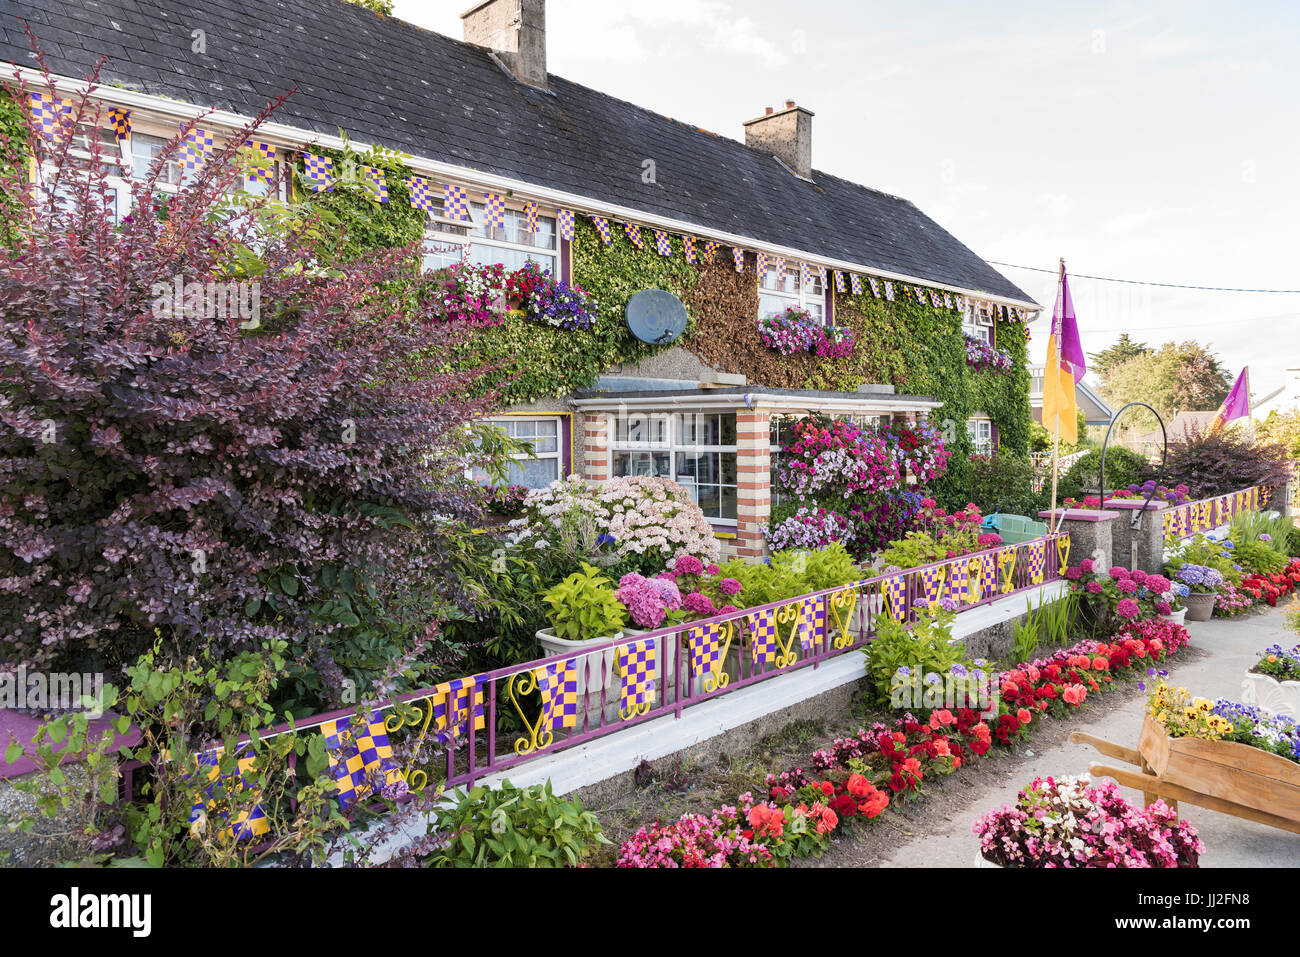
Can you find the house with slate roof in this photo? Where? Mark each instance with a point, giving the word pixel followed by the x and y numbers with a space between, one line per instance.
pixel 482 120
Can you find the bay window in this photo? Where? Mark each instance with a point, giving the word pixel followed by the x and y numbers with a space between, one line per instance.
pixel 697 450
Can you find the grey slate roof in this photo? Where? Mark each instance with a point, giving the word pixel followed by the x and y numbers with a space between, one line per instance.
pixel 384 80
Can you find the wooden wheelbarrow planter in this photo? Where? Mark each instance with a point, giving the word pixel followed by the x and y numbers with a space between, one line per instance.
pixel 1223 776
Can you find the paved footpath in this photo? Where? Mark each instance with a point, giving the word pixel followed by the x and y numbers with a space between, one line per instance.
pixel 1229 841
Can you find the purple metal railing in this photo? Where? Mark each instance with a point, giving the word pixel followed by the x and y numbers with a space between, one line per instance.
pixel 1184 521
pixel 677 687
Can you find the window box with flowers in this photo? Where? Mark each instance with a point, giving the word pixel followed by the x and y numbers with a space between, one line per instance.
pixel 982 357
pixel 795 330
pixel 541 297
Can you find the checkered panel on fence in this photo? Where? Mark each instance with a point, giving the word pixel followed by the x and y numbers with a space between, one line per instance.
pixel 894 591
pixel 762 636
pixel 705 643
pixel 453 703
pixel 355 754
pixel 1037 561
pixel 932 579
pixel 558 684
pixel 250 817
pixel 636 665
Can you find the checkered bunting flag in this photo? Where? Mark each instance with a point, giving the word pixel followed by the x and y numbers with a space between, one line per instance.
pixel 198 144
pixel 663 246
pixel 988 574
pixel 710 250
pixel 875 286
pixel 455 203
pixel 45 109
pixel 530 217
pixel 738 256
pixel 564 220
pixel 932 582
pixel 420 192
pixel 958 585
pixel 250 821
pixel 494 210
pixel 120 120
pixel 1037 562
pixel 688 250
pixel 318 171
pixel 762 636
pixel 761 264
pixel 948 301
pixel 633 232
pixel 781 270
pixel 821 275
pixel 812 624
pixel 805 276
pixel 376 183
pixel 840 285
pixel 452 707
pixel 262 165
pixel 558 684
pixel 636 663
pixel 705 642
pixel 889 290
pixel 894 591
pixel 936 299
pixel 602 229
pixel 855 283
pixel 373 753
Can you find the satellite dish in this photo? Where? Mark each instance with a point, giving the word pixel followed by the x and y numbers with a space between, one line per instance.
pixel 656 316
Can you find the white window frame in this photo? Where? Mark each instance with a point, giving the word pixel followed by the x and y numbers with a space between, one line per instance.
pixel 975 426
pixel 978 323
pixel 442 234
pixel 557 455
pixel 812 300
pixel 672 445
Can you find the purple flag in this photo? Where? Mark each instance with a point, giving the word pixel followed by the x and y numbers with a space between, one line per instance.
pixel 1237 404
pixel 1066 329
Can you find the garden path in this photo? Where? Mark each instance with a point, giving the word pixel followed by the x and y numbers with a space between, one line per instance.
pixel 1228 647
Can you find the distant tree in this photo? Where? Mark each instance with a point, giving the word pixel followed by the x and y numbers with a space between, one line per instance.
pixel 1040 438
pixel 1177 377
pixel 382 7
pixel 1101 363
pixel 1284 428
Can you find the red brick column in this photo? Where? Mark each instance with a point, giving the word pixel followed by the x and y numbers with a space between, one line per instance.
pixel 594 456
pixel 753 476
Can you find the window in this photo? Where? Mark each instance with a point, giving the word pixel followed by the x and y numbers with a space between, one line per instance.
pixel 981 435
pixel 978 323
pixel 697 450
pixel 544 465
pixel 774 296
pixel 511 245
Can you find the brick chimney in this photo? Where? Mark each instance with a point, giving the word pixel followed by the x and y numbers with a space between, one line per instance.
pixel 786 134
pixel 515 32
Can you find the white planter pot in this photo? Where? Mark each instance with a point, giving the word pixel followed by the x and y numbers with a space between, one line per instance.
pixel 981 861
pixel 1179 617
pixel 1265 691
pixel 589 664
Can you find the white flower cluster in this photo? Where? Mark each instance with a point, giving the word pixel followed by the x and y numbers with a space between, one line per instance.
pixel 642 515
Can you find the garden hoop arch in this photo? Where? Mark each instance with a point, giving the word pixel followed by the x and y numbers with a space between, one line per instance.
pixel 1136 521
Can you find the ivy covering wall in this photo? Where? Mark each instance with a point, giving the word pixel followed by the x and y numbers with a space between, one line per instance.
pixel 13 156
pixel 917 349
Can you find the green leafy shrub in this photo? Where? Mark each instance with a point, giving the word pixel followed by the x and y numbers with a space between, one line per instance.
pixel 762 584
pixel 1200 550
pixel 1005 483
pixel 925 646
pixel 1258 556
pixel 515 827
pixel 819 569
pixel 585 606
pixel 1123 467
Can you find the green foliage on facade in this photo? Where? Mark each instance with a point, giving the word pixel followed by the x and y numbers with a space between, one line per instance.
pixel 13 157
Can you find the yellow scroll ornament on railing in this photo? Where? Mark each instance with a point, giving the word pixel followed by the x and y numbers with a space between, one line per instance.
pixel 791 615
pixel 1007 569
pixel 1062 553
pixel 975 575
pixel 558 684
pixel 840 606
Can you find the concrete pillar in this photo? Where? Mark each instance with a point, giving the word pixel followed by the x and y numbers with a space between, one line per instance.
pixel 1090 534
pixel 1143 547
pixel 753 478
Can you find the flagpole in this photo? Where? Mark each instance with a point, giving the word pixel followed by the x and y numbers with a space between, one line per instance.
pixel 1056 443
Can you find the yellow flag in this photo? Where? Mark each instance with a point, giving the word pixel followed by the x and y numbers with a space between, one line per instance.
pixel 1058 397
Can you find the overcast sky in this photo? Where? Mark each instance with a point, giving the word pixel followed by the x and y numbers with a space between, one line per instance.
pixel 1154 141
